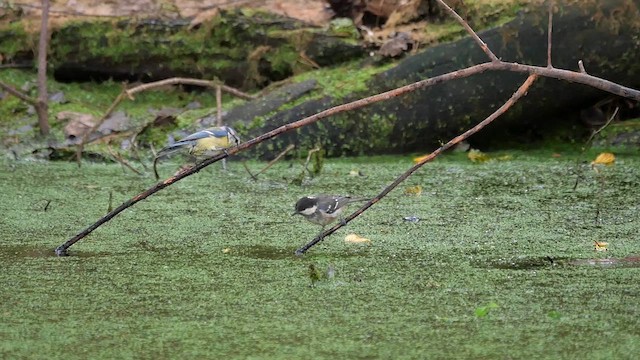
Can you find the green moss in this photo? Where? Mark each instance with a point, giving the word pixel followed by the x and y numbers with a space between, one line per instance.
pixel 213 257
pixel 341 81
pixel 15 42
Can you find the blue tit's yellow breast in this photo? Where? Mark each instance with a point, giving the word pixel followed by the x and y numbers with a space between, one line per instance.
pixel 209 146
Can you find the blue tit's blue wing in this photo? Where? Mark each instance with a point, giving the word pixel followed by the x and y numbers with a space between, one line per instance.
pixel 212 132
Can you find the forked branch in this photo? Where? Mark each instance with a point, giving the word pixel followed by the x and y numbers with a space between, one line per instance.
pixel 494 65
pixel 517 95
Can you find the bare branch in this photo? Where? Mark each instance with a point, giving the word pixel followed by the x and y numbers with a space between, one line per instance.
pixel 549 32
pixel 219 105
pixel 517 95
pixel 95 127
pixel 615 112
pixel 469 30
pixel 581 67
pixel 42 108
pixel 277 158
pixel 189 81
pixel 130 92
pixel 122 161
pixel 13 91
pixel 253 177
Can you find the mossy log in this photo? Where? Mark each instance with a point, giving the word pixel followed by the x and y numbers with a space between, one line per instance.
pixel 243 48
pixel 603 34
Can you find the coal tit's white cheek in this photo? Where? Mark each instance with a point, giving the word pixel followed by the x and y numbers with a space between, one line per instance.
pixel 309 211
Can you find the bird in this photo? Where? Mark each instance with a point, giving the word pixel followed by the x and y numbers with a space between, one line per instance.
pixel 323 209
pixel 202 144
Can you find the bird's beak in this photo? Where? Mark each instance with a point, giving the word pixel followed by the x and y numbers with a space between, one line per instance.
pixel 294 213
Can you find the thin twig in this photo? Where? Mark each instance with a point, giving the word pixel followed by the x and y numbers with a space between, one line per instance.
pixel 549 32
pixel 517 95
pixel 122 161
pixel 20 95
pixel 131 92
pixel 189 81
pixel 95 127
pixel 615 112
pixel 253 177
pixel 42 109
pixel 16 66
pixel 581 67
pixel 136 153
pixel 469 30
pixel 277 158
pixel 580 169
pixel 219 105
pixel 110 206
pixel 311 152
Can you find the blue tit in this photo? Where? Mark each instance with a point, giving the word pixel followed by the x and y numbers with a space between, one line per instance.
pixel 202 144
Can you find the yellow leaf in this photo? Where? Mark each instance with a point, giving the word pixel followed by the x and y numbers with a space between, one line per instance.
pixel 504 157
pixel 413 190
pixel 600 245
pixel 356 239
pixel 477 156
pixel 226 250
pixel 604 159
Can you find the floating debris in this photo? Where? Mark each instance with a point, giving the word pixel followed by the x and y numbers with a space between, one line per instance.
pixel 356 239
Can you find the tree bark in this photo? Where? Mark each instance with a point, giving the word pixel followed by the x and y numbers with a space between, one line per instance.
pixel 42 107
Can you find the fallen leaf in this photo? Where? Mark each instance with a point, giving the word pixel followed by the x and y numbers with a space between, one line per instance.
pixel 413 190
pixel 356 239
pixel 600 245
pixel 226 250
pixel 604 159
pixel 556 155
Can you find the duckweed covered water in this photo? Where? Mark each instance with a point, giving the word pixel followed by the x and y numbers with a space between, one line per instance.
pixel 500 264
